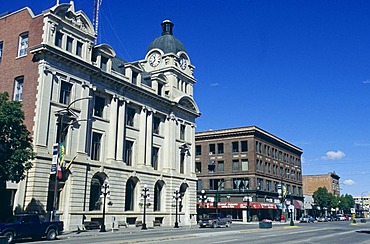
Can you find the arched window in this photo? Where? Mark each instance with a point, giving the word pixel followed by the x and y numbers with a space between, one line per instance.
pixel 130 194
pixel 95 192
pixel 158 195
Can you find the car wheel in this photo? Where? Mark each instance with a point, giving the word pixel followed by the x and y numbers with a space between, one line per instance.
pixel 10 236
pixel 227 224
pixel 51 235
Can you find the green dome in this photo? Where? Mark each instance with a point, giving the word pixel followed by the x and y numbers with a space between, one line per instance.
pixel 167 42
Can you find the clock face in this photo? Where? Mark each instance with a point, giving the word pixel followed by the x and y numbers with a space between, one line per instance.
pixel 183 63
pixel 155 59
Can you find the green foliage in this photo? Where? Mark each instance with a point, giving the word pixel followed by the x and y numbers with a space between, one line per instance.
pixel 325 199
pixel 15 141
pixel 346 202
pixel 321 197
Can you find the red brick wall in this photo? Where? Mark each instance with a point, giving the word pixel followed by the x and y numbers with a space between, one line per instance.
pixel 11 67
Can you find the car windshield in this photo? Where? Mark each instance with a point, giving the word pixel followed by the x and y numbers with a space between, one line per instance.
pixel 13 219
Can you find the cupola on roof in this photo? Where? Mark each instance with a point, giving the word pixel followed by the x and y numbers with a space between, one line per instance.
pixel 167 42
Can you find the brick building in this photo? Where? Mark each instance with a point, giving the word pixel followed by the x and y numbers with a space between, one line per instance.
pixel 126 125
pixel 312 182
pixel 248 166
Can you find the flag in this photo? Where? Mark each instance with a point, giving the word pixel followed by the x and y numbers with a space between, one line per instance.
pixel 62 151
pixel 59 172
pixel 70 163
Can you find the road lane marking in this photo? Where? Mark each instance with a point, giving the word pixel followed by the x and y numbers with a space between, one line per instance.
pixel 232 240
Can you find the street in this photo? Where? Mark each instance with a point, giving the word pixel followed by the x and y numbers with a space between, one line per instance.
pixel 327 232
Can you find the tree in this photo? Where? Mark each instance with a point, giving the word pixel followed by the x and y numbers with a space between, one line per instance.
pixel 16 149
pixel 346 203
pixel 323 198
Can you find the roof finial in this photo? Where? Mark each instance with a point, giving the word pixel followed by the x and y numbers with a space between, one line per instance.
pixel 167 26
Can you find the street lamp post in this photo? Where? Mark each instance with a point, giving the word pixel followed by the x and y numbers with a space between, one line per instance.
pixel 61 132
pixel 291 210
pixel 105 192
pixel 203 197
pixel 176 197
pixel 144 195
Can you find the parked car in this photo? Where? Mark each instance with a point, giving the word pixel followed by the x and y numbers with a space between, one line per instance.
pixel 214 220
pixel 330 218
pixel 341 217
pixel 322 219
pixel 307 219
pixel 30 226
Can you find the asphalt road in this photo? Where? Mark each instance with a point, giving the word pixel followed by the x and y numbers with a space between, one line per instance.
pixel 328 232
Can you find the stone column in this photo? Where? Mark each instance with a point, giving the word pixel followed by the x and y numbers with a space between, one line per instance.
pixel 112 133
pixel 121 130
pixel 141 148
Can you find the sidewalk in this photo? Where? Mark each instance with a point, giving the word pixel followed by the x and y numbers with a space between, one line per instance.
pixel 133 229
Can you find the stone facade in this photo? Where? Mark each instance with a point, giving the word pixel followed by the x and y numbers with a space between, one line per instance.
pixel 124 124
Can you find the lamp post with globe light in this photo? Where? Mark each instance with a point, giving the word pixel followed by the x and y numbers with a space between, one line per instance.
pixel 144 195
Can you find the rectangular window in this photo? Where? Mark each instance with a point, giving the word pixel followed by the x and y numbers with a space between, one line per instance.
pixel 23 44
pixel 241 184
pixel 268 185
pixel 156 125
pixel 245 165
pixel 58 39
pixel 199 185
pixel 160 88
pixel 212 149
pixel 235 146
pixel 65 93
pixel 104 62
pixel 211 167
pixel 79 48
pixel 155 151
pixel 134 78
pixel 244 145
pixel 198 150
pixel 182 163
pixel 130 116
pixel 69 44
pixel 99 106
pixel 96 146
pixel 236 165
pixel 18 89
pixel 216 184
pixel 1 51
pixel 220 148
pixel 259 184
pixel 198 167
pixel 220 166
pixel 128 152
pixel 182 132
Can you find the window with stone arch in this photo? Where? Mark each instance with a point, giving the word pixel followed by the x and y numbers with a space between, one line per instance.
pixel 130 194
pixel 158 195
pixel 95 191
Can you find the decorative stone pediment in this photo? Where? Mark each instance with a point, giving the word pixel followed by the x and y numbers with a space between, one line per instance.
pixel 188 103
pixel 77 19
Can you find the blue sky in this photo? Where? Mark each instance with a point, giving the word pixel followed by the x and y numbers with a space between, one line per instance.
pixel 297 69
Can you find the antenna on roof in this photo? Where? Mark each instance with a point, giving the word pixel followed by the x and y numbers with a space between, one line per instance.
pixel 97 4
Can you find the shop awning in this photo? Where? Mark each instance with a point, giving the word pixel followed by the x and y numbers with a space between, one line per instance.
pixel 298 204
pixel 241 205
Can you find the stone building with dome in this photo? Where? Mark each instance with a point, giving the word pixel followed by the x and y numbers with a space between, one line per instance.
pixel 124 126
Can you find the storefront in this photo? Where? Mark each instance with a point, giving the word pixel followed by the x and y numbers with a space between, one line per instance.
pixel 257 210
